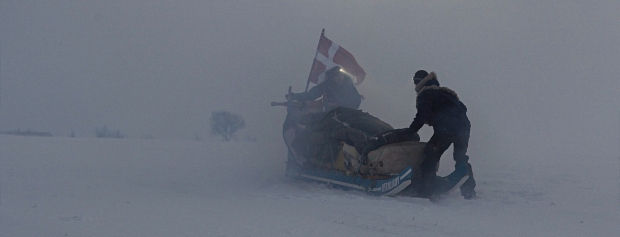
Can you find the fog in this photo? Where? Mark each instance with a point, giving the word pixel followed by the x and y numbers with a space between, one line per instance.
pixel 537 76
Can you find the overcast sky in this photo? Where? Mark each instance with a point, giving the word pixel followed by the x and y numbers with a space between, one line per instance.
pixel 537 76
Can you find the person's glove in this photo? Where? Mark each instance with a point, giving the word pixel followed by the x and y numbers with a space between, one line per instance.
pixel 289 96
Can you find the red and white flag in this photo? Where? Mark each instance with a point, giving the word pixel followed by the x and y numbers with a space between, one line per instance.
pixel 329 55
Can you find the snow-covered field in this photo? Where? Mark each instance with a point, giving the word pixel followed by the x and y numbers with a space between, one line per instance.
pixel 133 187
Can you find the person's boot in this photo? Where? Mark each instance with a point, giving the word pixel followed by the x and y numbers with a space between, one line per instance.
pixel 467 189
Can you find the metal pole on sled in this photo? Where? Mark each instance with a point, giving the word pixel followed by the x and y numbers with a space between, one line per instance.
pixel 315 54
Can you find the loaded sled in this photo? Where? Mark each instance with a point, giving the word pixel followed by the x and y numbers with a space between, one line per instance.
pixel 353 150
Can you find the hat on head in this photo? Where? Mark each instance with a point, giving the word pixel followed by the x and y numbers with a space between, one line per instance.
pixel 419 75
pixel 333 71
pixel 429 80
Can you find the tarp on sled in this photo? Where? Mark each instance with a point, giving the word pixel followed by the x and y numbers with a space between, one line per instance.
pixel 350 140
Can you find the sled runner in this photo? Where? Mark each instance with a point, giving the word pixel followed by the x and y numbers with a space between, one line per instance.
pixel 379 186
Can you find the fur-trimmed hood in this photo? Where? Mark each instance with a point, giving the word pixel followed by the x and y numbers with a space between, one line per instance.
pixel 420 87
pixel 434 87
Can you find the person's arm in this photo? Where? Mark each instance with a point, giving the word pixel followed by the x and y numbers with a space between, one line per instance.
pixel 314 93
pixel 423 114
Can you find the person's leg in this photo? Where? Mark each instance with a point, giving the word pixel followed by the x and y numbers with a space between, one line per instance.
pixel 433 150
pixel 351 136
pixel 461 143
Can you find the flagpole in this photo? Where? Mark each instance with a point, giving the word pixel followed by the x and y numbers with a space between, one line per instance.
pixel 315 54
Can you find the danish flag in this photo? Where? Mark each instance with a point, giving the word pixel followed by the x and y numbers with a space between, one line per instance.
pixel 329 55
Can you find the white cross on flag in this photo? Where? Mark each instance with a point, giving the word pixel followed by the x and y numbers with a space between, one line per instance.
pixel 329 55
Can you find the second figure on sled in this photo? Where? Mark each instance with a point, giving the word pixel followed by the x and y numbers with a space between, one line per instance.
pixel 337 90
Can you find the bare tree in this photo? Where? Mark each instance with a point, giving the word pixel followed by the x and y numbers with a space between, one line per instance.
pixel 225 124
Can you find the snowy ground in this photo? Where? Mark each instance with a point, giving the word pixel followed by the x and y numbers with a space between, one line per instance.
pixel 132 187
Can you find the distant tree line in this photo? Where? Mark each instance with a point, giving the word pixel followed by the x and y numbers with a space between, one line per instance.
pixel 105 132
pixel 27 133
pixel 222 123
